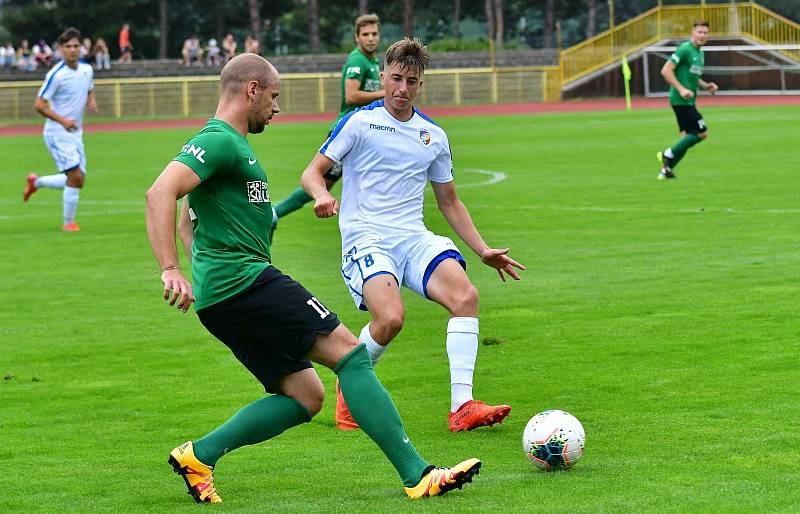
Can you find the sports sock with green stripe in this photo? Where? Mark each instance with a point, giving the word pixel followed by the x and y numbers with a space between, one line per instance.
pixel 372 408
pixel 261 420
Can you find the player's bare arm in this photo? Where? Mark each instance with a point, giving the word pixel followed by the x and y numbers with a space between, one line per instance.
pixel 325 205
pixel 456 214
pixel 91 103
pixel 711 87
pixel 175 181
pixel 42 106
pixel 185 229
pixel 354 96
pixel 668 72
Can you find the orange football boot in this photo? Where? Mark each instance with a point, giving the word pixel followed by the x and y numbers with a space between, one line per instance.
pixel 475 413
pixel 344 420
pixel 30 187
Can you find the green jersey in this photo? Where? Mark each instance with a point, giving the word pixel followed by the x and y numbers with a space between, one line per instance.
pixel 688 61
pixel 367 71
pixel 230 211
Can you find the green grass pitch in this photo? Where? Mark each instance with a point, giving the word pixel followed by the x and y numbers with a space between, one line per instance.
pixel 662 314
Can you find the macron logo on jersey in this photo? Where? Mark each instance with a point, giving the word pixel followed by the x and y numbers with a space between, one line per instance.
pixel 387 128
pixel 194 150
pixel 353 69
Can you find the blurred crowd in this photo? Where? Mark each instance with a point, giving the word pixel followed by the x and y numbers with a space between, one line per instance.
pixel 43 55
pixel 195 53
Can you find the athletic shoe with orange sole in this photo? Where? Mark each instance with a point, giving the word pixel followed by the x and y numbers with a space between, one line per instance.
pixel 440 480
pixel 199 478
pixel 30 187
pixel 475 413
pixel 344 420
pixel 71 227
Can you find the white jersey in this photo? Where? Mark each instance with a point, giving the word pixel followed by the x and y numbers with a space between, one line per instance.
pixel 67 90
pixel 386 164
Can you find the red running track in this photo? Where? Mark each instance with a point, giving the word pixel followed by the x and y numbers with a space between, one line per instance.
pixel 473 110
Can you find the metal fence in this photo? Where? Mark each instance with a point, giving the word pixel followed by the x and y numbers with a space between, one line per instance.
pixel 300 93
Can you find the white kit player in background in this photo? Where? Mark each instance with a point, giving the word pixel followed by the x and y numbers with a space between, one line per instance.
pixel 389 152
pixel 67 90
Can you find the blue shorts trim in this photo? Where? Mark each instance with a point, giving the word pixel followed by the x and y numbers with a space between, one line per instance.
pixel 447 254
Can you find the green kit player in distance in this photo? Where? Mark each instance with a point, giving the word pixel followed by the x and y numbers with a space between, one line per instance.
pixel 683 71
pixel 360 85
pixel 271 323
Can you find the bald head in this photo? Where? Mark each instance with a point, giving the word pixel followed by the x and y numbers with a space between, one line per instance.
pixel 246 68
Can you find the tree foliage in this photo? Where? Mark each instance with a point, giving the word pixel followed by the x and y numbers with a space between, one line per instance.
pixel 287 27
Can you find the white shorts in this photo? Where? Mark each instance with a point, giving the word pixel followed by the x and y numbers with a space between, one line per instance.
pixel 409 258
pixel 67 150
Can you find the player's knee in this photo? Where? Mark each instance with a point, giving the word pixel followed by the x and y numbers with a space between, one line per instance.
pixel 312 399
pixel 387 326
pixel 75 179
pixel 703 135
pixel 465 302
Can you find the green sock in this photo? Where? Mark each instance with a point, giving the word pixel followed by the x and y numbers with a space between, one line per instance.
pixel 261 420
pixel 292 202
pixel 682 146
pixel 372 408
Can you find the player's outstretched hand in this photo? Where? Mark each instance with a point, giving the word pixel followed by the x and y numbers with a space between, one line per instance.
pixel 499 260
pixel 712 87
pixel 177 290
pixel 326 207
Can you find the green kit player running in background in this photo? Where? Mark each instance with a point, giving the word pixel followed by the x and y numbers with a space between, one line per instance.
pixel 361 85
pixel 683 71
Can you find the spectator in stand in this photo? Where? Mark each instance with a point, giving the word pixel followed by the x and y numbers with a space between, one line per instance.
pixel 213 57
pixel 42 53
pixel 125 46
pixel 229 46
pixel 8 56
pixel 251 45
pixel 86 50
pixel 25 60
pixel 192 52
pixel 102 59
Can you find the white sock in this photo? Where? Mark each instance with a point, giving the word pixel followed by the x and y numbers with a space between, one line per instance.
pixel 52 181
pixel 375 350
pixel 71 195
pixel 462 350
pixel 669 154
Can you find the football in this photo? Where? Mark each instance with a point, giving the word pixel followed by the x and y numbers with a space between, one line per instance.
pixel 553 439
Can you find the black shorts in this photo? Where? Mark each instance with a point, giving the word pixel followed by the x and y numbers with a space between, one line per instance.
pixel 335 173
pixel 689 119
pixel 271 326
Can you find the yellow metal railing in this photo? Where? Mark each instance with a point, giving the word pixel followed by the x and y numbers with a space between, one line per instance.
pixel 665 22
pixel 300 92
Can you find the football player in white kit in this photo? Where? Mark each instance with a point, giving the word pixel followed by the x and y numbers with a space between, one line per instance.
pixel 389 150
pixel 67 90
